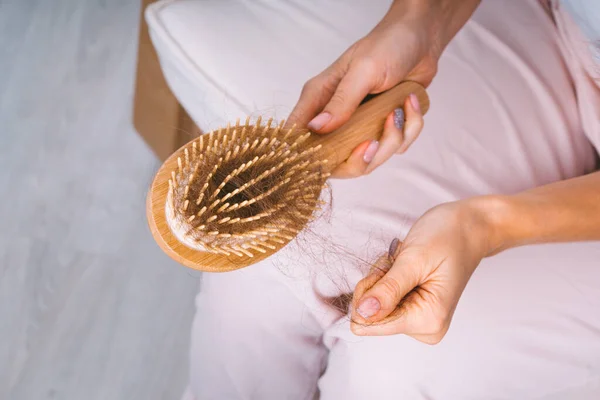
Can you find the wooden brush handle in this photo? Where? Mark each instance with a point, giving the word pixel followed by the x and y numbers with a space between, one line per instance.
pixel 367 122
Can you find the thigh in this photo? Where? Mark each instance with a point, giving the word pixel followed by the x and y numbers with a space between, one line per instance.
pixel 253 339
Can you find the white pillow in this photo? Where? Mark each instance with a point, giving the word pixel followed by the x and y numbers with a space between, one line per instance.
pixel 225 59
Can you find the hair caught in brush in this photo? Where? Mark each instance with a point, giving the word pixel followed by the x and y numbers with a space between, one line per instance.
pixel 219 205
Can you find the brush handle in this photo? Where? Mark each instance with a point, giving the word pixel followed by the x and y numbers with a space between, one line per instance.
pixel 367 122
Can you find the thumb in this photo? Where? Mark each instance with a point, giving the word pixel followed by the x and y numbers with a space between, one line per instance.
pixel 316 93
pixel 351 91
pixel 386 293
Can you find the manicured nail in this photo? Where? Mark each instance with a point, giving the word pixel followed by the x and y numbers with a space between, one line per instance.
pixel 393 247
pixel 319 121
pixel 371 150
pixel 399 118
pixel 368 307
pixel 414 101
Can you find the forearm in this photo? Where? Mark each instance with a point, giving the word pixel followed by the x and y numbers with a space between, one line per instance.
pixel 455 13
pixel 447 16
pixel 566 211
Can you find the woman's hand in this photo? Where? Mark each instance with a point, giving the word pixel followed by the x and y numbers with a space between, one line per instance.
pixel 415 290
pixel 405 45
pixel 417 296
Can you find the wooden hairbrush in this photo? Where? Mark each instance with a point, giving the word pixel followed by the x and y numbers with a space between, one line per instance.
pixel 236 195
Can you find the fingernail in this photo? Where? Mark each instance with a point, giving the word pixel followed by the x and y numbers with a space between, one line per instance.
pixel 368 307
pixel 319 121
pixel 414 101
pixel 371 150
pixel 399 118
pixel 393 247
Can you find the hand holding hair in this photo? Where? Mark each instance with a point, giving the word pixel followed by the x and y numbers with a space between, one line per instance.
pixel 415 290
pixel 418 288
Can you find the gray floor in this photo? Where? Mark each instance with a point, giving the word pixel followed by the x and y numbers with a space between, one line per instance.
pixel 89 306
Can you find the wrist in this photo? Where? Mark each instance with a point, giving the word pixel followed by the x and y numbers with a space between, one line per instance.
pixel 440 19
pixel 453 15
pixel 498 221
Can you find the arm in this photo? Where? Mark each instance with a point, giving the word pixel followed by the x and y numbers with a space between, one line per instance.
pixel 418 289
pixel 565 211
pixel 447 18
pixel 405 45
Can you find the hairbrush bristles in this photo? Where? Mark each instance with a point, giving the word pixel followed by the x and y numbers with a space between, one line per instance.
pixel 244 189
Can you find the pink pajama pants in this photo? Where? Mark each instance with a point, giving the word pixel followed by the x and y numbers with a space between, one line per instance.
pixel 505 116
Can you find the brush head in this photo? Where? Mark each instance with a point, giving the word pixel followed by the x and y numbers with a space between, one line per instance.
pixel 243 190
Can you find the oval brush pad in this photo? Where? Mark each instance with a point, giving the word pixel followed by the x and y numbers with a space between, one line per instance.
pixel 236 195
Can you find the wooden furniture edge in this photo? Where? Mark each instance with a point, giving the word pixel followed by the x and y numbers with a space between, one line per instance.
pixel 157 115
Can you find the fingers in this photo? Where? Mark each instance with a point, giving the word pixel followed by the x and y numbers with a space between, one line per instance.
pixel 351 90
pixel 328 100
pixel 315 94
pixel 390 141
pixel 399 132
pixel 414 122
pixel 414 316
pixel 369 155
pixel 394 249
pixel 377 300
pixel 381 267
pixel 398 300
pixel 356 165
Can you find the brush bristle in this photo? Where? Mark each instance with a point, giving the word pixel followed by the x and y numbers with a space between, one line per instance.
pixel 245 189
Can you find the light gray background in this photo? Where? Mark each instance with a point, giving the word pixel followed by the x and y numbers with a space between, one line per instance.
pixel 90 308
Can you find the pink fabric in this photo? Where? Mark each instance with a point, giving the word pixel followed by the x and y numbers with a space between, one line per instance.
pixel 507 114
pixel 584 70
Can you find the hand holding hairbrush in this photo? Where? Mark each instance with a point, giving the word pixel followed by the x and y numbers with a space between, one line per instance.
pixel 236 195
